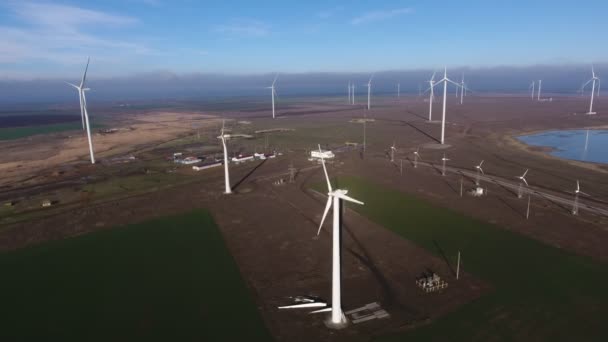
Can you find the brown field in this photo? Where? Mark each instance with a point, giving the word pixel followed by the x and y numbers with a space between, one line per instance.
pixel 273 240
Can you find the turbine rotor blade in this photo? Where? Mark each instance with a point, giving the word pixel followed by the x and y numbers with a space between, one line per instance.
pixel 84 76
pixel 327 206
pixel 347 198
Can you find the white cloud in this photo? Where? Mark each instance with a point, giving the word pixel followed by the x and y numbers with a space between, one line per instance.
pixel 326 14
pixel 65 17
pixel 380 15
pixel 58 34
pixel 244 27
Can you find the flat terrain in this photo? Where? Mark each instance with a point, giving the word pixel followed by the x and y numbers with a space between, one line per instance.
pixel 161 280
pixel 540 293
pixel 524 279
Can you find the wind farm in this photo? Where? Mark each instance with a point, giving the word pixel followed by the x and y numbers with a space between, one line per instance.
pixel 197 207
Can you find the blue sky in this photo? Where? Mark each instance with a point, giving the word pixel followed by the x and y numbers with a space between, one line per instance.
pixel 51 39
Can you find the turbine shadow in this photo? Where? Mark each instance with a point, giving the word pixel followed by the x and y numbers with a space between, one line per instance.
pixel 511 207
pixel 423 132
pixel 237 184
pixel 444 257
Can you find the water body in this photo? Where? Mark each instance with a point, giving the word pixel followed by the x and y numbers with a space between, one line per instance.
pixel 580 144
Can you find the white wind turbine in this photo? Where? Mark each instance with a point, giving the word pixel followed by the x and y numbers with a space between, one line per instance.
pixel 522 181
pixel 443 160
pixel 353 93
pixel 540 83
pixel 462 88
pixel 431 95
pixel 369 92
pixel 592 81
pixel 532 88
pixel 445 81
pixel 335 197
pixel 393 149
pixel 349 101
pixel 479 172
pixel 416 157
pixel 576 193
pixel 83 109
pixel 273 92
pixel 223 137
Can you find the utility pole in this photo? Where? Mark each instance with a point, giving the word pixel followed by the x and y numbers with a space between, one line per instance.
pixel 458 267
pixel 292 173
pixel 460 186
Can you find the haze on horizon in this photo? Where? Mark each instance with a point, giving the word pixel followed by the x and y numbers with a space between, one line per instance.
pixel 220 46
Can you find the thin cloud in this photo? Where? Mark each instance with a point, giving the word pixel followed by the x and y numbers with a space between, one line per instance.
pixel 380 15
pixel 66 17
pixel 56 33
pixel 244 27
pixel 326 14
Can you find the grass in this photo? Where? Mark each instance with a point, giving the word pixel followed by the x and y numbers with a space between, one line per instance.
pixel 22 132
pixel 540 293
pixel 171 279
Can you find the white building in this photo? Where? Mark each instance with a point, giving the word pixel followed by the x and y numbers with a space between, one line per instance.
pixel 204 167
pixel 241 158
pixel 316 154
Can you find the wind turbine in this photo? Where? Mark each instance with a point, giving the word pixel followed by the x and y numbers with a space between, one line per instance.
pixel 443 160
pixel 576 193
pixel 353 93
pixel 224 137
pixel 532 87
pixel 540 83
pixel 273 92
pixel 393 149
pixel 416 157
pixel 369 92
pixel 462 88
pixel 349 101
pixel 431 95
pixel 445 81
pixel 335 197
pixel 83 108
pixel 479 172
pixel 522 180
pixel 592 81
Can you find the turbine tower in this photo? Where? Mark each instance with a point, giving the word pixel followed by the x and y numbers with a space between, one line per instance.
pixel 540 83
pixel 443 160
pixel 416 157
pixel 576 193
pixel 431 95
pixel 83 109
pixel 349 93
pixel 522 181
pixel 398 89
pixel 273 92
pixel 369 92
pixel 224 137
pixel 445 81
pixel 593 79
pixel 393 149
pixel 353 94
pixel 479 172
pixel 462 88
pixel 335 197
pixel 532 87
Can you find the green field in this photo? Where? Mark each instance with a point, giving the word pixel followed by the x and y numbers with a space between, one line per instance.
pixel 540 293
pixel 22 132
pixel 170 279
